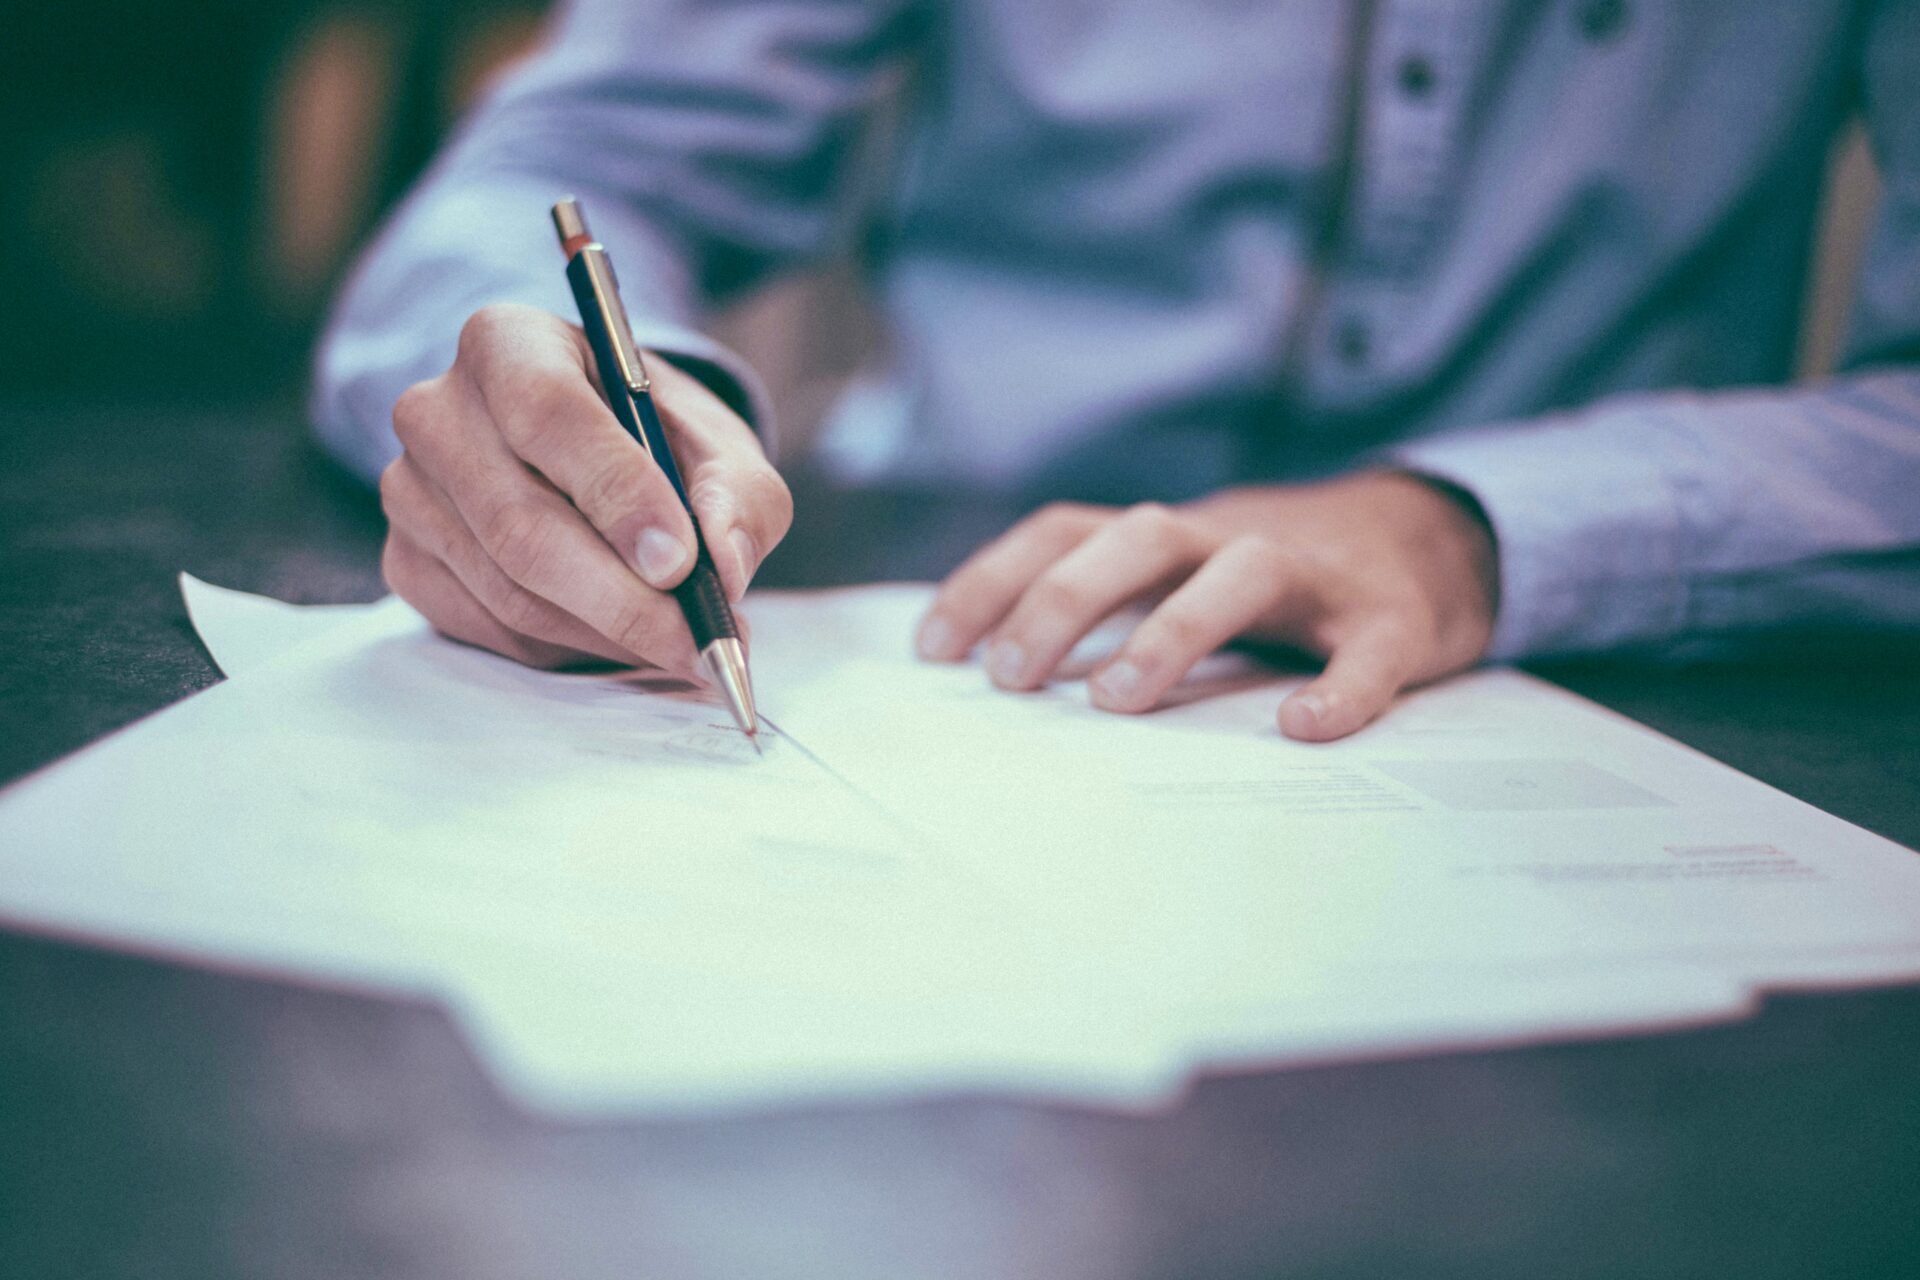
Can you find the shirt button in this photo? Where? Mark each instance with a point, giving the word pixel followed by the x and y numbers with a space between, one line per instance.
pixel 1602 20
pixel 1415 76
pixel 1353 341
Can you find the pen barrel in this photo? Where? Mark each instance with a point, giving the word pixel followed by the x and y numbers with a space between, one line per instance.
pixel 622 377
pixel 704 602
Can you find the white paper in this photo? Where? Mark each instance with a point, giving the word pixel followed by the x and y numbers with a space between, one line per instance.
pixel 925 885
pixel 244 631
pixel 1492 819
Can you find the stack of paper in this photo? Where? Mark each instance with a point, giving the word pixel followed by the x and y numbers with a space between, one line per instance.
pixel 924 884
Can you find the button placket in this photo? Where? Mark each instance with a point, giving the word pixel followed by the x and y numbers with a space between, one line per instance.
pixel 1601 21
pixel 1414 76
pixel 1416 93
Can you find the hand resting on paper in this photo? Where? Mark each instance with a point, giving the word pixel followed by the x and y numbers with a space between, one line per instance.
pixel 525 520
pixel 1392 579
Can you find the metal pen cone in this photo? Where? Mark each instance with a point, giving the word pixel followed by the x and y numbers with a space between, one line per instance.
pixel 727 664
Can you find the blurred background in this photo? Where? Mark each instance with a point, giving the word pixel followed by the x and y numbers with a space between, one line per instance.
pixel 185 186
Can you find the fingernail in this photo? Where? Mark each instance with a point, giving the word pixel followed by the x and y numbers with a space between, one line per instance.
pixel 1006 662
pixel 659 555
pixel 749 558
pixel 935 639
pixel 1309 705
pixel 1118 683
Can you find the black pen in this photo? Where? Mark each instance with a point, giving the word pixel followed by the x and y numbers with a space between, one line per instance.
pixel 630 394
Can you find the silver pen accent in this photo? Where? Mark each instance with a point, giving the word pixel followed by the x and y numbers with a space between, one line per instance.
pixel 726 662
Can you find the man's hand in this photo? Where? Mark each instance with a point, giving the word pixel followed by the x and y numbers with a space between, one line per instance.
pixel 1390 579
pixel 525 520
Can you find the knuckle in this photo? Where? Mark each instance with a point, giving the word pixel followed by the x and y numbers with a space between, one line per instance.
pixel 1175 631
pixel 615 489
pixel 1056 594
pixel 712 489
pixel 1261 557
pixel 415 412
pixel 1153 521
pixel 1332 560
pixel 516 534
pixel 542 410
pixel 754 495
pixel 485 327
pixel 1002 583
pixel 518 610
pixel 1061 516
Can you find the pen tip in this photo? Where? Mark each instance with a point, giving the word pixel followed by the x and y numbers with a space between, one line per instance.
pixel 727 665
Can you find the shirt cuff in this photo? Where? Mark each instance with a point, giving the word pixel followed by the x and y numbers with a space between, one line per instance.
pixel 1587 528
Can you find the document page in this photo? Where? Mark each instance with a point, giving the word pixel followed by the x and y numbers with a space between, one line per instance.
pixel 922 885
pixel 242 631
pixel 1492 818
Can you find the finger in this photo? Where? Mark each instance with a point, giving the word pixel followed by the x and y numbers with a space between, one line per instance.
pixel 743 506
pixel 530 530
pixel 1362 675
pixel 1248 581
pixel 977 595
pixel 1131 555
pixel 433 590
pixel 531 372
pixel 745 510
pixel 417 509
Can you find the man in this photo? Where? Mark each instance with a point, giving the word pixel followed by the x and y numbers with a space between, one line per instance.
pixel 1449 329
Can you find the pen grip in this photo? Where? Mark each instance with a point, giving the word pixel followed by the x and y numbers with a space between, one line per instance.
pixel 704 602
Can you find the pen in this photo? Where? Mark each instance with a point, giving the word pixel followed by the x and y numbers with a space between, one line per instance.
pixel 630 394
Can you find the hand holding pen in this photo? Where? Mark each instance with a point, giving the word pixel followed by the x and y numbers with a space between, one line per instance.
pixel 524 519
pixel 628 387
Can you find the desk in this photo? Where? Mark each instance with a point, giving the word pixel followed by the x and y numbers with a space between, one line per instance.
pixel 162 1121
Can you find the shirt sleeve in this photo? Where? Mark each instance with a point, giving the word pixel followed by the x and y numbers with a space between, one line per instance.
pixel 1691 521
pixel 706 140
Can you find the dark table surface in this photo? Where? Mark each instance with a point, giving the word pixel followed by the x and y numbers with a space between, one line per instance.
pixel 158 1120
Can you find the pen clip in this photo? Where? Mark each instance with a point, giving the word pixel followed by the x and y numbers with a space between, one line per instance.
pixel 613 315
pixel 577 241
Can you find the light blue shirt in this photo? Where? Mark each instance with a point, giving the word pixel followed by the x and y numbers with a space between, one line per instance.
pixel 1553 252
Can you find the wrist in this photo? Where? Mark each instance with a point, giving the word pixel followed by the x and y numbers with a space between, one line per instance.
pixel 1449 522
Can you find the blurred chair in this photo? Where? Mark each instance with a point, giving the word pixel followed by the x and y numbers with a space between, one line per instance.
pixel 1852 196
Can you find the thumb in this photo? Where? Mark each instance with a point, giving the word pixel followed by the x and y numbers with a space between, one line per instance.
pixel 744 510
pixel 1362 675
